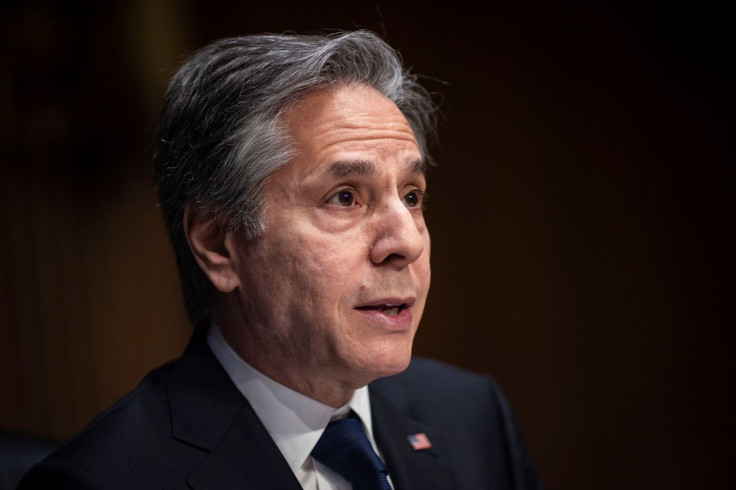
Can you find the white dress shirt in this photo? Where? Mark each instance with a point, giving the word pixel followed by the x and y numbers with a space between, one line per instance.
pixel 294 421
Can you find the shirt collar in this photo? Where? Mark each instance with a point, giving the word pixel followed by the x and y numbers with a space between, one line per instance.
pixel 294 421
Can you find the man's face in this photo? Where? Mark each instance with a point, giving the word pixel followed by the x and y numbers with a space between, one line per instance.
pixel 336 285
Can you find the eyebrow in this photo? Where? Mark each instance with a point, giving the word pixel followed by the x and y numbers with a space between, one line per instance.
pixel 353 168
pixel 365 167
pixel 418 166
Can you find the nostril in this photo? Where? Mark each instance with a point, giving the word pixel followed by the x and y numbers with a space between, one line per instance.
pixel 393 257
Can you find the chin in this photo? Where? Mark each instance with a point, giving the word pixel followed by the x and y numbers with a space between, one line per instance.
pixel 388 362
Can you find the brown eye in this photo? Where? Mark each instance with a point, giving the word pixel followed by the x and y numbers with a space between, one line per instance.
pixel 343 198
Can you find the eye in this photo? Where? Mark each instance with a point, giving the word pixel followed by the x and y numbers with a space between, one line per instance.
pixel 413 199
pixel 344 198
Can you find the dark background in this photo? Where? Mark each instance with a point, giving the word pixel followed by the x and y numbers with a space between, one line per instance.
pixel 581 215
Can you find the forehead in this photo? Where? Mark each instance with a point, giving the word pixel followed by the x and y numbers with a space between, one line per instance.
pixel 350 123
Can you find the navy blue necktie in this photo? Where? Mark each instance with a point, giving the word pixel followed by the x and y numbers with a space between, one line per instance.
pixel 345 449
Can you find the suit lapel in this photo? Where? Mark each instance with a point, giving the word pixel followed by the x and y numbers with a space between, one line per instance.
pixel 426 469
pixel 208 412
pixel 245 458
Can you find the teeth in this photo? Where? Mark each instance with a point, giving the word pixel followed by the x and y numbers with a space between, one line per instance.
pixel 392 311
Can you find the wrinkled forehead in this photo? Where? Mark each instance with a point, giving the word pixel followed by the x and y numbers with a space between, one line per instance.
pixel 348 122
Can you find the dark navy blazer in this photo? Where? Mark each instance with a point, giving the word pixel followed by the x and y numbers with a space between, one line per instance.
pixel 187 426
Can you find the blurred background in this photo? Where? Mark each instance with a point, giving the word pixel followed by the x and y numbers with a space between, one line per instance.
pixel 581 214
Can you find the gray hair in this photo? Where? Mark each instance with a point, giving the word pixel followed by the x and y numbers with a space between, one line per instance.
pixel 221 132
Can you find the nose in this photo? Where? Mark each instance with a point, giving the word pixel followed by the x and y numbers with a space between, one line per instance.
pixel 400 236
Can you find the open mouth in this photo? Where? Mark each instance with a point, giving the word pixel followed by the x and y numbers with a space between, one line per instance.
pixel 386 309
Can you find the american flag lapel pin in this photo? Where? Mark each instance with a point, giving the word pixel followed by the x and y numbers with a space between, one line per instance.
pixel 419 441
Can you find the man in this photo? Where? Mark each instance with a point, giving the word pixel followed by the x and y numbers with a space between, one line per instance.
pixel 291 178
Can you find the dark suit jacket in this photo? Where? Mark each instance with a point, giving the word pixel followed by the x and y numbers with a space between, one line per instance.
pixel 187 425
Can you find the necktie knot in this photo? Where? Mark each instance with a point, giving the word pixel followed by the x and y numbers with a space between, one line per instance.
pixel 345 449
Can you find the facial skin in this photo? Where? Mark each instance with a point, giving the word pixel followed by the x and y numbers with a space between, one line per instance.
pixel 329 297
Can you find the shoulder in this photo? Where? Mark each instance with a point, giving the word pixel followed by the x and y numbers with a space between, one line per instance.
pixel 141 408
pixel 432 371
pixel 439 393
pixel 435 380
pixel 133 433
pixel 469 409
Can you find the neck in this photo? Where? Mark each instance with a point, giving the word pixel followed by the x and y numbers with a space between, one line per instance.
pixel 286 368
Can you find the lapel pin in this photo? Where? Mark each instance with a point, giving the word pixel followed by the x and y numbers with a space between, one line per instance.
pixel 419 441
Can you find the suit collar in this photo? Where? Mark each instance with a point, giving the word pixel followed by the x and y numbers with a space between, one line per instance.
pixel 199 390
pixel 294 421
pixel 426 469
pixel 208 412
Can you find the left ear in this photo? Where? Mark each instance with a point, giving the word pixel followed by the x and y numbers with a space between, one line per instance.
pixel 213 248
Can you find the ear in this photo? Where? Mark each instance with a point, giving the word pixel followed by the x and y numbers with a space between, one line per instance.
pixel 213 248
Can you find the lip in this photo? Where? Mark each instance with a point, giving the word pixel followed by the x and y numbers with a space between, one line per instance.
pixel 375 312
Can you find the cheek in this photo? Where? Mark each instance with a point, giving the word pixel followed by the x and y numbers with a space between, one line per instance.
pixel 314 267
